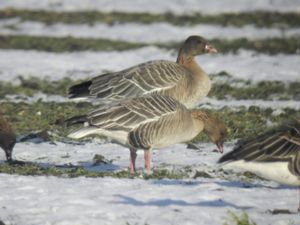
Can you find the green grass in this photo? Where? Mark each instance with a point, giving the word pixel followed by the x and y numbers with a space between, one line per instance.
pixel 64 44
pixel 42 116
pixel 244 219
pixel 242 121
pixel 34 169
pixel 258 18
pixel 25 118
pixel 33 85
pixel 289 45
pixel 266 90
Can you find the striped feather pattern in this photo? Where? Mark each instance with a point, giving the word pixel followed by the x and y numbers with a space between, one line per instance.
pixel 183 80
pixel 143 123
pixel 131 114
pixel 145 78
pixel 278 145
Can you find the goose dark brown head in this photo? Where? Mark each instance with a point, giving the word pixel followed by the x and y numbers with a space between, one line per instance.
pixel 214 127
pixel 197 45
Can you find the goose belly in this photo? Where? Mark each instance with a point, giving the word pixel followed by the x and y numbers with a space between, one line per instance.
pixel 175 133
pixel 276 171
pixel 173 139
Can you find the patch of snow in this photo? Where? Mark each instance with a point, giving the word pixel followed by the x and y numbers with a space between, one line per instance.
pixel 59 153
pixel 36 97
pixel 245 65
pixel 134 32
pixel 156 6
pixel 29 200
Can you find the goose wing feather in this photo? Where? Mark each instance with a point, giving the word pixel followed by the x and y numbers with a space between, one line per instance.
pixel 132 113
pixel 281 144
pixel 146 78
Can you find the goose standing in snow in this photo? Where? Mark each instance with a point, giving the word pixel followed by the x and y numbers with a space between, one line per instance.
pixel 7 138
pixel 153 121
pixel 274 155
pixel 183 80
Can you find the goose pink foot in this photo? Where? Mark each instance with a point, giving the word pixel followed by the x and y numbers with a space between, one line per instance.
pixel 132 161
pixel 147 158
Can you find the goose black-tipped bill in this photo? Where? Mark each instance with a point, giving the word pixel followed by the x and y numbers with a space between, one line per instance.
pixel 220 147
pixel 210 49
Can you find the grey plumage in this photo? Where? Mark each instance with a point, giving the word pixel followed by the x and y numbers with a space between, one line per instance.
pixel 183 80
pixel 142 120
pixel 153 121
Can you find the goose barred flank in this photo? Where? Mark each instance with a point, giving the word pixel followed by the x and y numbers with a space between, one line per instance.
pixel 154 121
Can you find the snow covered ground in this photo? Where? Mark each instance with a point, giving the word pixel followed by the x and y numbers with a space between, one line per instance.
pixel 59 153
pixel 87 201
pixel 134 32
pixel 246 65
pixel 49 200
pixel 156 6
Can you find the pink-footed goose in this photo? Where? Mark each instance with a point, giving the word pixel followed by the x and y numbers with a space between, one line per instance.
pixel 183 80
pixel 153 121
pixel 274 155
pixel 7 138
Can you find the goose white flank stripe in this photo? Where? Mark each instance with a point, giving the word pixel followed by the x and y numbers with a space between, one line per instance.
pixel 274 155
pixel 154 121
pixel 183 80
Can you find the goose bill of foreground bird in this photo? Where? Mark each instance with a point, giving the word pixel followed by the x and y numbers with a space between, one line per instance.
pixel 274 155
pixel 149 122
pixel 183 80
pixel 7 138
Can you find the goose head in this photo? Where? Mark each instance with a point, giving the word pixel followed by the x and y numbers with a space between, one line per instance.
pixel 214 127
pixel 197 45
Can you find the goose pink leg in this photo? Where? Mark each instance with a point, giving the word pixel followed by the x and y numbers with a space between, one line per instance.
pixel 132 160
pixel 147 158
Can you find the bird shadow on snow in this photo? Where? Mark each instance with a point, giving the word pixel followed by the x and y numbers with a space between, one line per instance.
pixel 239 184
pixel 221 183
pixel 177 202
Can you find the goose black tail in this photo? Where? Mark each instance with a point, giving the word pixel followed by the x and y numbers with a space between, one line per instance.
pixel 80 90
pixel 76 120
pixel 230 156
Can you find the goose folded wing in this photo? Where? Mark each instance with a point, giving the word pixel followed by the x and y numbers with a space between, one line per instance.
pixel 278 145
pixel 132 113
pixel 146 78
